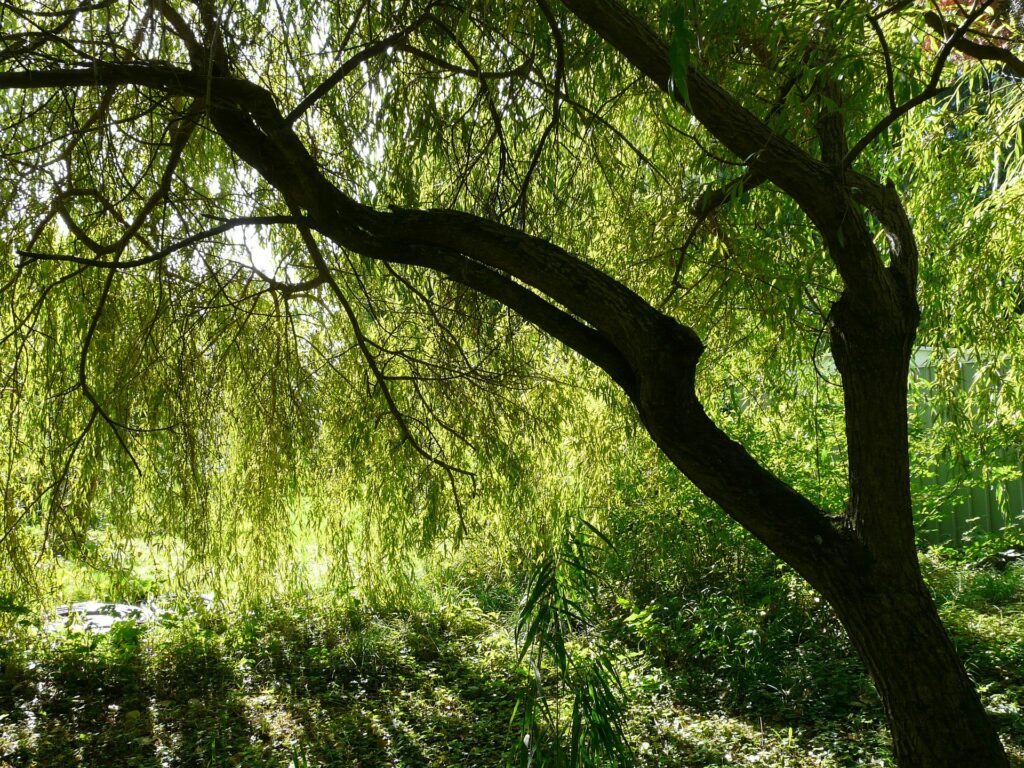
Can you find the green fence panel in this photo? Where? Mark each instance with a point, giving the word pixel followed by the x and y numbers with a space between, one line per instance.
pixel 980 506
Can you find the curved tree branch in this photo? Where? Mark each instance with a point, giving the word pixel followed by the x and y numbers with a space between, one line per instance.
pixel 980 51
pixel 650 355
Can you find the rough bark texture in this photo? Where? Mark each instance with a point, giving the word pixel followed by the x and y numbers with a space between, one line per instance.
pixel 934 713
pixel 867 568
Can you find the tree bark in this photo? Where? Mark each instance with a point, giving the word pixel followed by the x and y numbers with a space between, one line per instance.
pixel 932 708
pixel 934 714
pixel 864 564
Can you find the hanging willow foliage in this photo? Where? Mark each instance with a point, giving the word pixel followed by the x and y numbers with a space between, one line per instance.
pixel 301 290
pixel 206 391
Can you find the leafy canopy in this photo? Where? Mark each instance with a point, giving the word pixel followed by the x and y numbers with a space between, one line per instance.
pixel 178 370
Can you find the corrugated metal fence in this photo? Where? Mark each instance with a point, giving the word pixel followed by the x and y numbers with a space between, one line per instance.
pixel 977 506
pixel 976 510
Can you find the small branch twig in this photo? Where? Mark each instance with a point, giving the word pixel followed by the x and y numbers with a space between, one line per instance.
pixel 931 90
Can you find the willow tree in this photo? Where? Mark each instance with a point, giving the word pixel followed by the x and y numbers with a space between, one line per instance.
pixel 440 189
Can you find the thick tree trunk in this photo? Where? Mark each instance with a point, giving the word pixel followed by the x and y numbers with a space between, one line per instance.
pixel 933 710
pixel 935 715
pixel 864 563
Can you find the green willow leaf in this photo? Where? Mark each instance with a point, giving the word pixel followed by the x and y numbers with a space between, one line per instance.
pixel 681 44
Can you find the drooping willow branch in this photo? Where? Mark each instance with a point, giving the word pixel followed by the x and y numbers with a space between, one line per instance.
pixel 931 90
pixel 325 273
pixel 980 51
pixel 238 221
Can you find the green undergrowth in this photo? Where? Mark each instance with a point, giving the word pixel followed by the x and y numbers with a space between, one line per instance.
pixel 745 675
pixel 276 685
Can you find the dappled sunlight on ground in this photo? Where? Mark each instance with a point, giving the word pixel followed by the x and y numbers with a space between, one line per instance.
pixel 293 688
